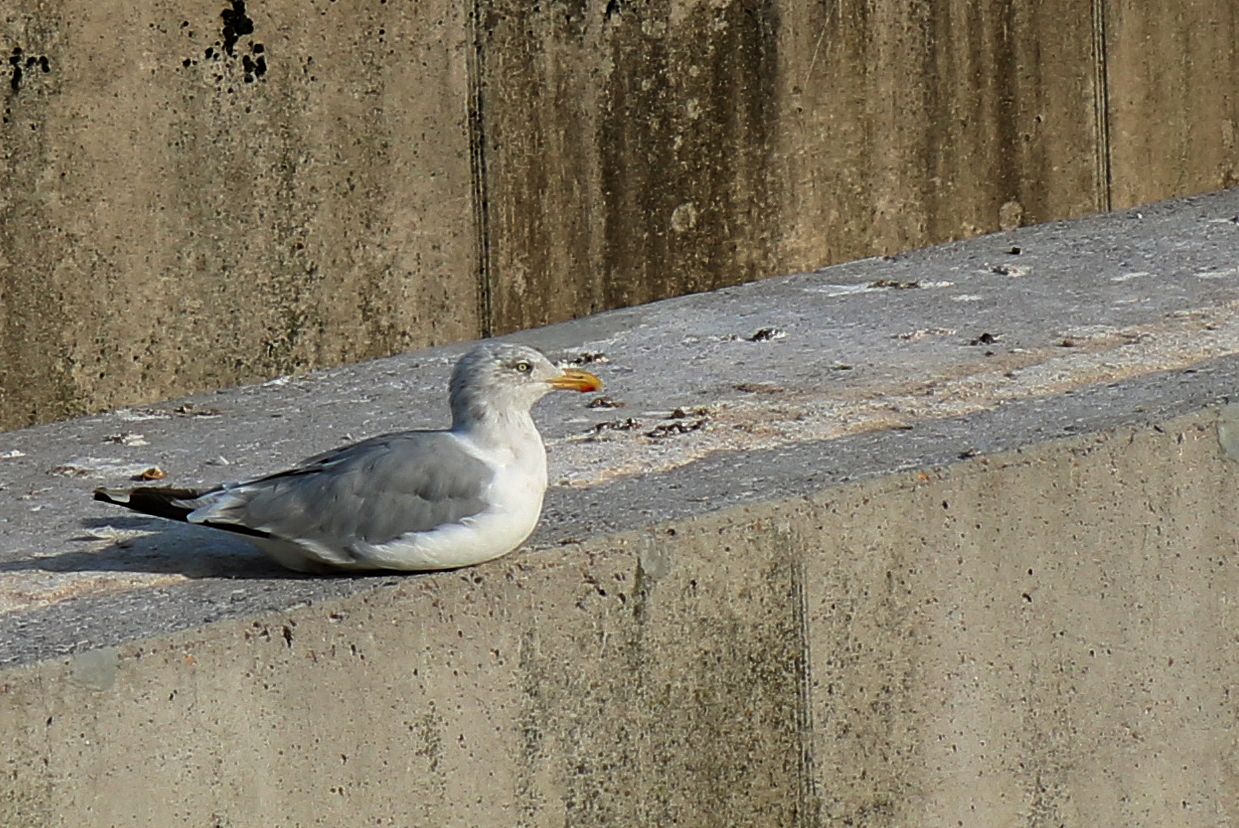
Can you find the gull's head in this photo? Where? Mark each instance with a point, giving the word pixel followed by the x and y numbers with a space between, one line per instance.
pixel 502 377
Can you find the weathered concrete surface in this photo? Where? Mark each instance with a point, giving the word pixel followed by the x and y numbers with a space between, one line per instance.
pixel 631 151
pixel 869 572
pixel 1174 120
pixel 198 194
pixel 904 124
pixel 639 151
pixel 190 200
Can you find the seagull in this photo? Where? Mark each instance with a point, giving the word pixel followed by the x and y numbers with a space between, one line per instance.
pixel 411 500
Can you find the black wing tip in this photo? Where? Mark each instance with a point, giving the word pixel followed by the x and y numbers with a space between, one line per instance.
pixel 160 502
pixel 107 497
pixel 123 497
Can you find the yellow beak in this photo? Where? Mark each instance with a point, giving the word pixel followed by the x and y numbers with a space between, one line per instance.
pixel 573 380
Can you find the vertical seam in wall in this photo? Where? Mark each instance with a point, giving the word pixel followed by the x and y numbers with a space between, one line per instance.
pixel 477 163
pixel 807 811
pixel 1101 104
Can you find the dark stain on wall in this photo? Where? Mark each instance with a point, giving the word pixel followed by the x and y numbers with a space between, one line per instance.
pixel 683 149
pixel 22 64
pixel 237 25
pixel 627 152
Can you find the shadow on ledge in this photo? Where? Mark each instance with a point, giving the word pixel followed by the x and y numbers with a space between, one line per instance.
pixel 159 547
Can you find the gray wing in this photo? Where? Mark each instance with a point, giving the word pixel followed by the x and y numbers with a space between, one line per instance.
pixel 372 491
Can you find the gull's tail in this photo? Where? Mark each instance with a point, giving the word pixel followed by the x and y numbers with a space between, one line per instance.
pixel 164 502
pixel 173 504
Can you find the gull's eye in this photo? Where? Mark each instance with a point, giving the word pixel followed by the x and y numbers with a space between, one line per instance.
pixel 523 367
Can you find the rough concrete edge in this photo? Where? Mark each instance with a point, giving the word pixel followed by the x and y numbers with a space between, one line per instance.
pixel 62 632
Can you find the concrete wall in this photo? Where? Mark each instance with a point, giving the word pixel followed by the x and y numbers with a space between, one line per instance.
pixel 978 645
pixel 170 220
pixel 201 193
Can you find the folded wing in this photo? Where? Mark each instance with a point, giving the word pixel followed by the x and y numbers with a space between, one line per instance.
pixel 373 491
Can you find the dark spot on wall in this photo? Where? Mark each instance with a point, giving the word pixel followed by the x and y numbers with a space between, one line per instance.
pixel 237 24
pixel 253 68
pixel 15 60
pixel 23 63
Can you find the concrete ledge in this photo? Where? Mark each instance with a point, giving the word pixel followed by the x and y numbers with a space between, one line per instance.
pixel 941 539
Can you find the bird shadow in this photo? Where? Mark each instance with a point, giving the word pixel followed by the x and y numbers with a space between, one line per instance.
pixel 157 547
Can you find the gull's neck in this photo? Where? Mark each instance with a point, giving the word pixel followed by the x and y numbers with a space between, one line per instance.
pixel 497 428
